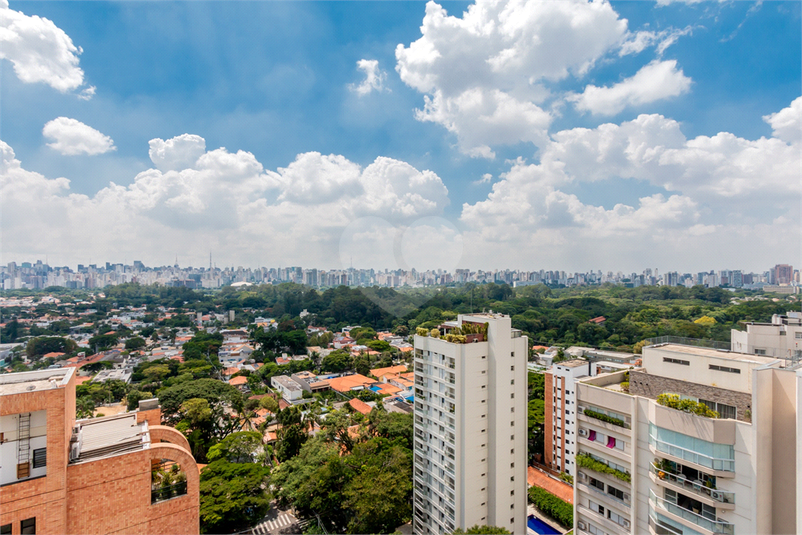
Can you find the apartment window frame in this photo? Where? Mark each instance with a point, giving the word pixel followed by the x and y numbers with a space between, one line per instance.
pixel 28 526
pixel 727 369
pixel 677 361
pixel 5 529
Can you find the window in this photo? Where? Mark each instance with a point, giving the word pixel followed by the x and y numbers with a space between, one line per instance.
pixel 28 526
pixel 595 507
pixel 512 396
pixel 593 530
pixel 760 351
pixel 677 361
pixel 512 424
pixel 512 520
pixel 724 411
pixel 40 458
pixel 615 517
pixel 798 336
pixel 596 483
pixel 512 368
pixel 512 409
pixel 512 478
pixel 5 529
pixel 512 465
pixel 724 369
pixel 512 506
pixel 512 450
pixel 512 437
pixel 512 493
pixel 617 493
pixel 512 381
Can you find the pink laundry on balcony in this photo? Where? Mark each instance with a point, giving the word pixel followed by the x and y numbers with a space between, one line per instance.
pixel 610 442
pixel 592 435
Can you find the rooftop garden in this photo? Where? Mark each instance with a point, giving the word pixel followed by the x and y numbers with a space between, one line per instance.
pixel 465 333
pixel 673 401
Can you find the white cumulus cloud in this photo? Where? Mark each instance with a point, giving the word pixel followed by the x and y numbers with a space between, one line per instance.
pixel 482 74
pixel 71 137
pixel 721 192
pixel 40 51
pixel 787 123
pixel 223 201
pixel 656 81
pixel 180 152
pixel 374 77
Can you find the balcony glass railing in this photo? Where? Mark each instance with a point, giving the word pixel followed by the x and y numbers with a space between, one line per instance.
pixel 696 486
pixel 716 526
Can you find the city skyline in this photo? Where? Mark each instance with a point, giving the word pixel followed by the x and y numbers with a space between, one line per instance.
pixel 586 133
pixel 781 278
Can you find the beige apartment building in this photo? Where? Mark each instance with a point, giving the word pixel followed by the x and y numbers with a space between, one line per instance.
pixel 645 467
pixel 470 426
pixel 782 338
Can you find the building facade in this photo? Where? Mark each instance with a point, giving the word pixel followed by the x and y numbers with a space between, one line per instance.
pixel 470 425
pixel 560 413
pixel 649 467
pixel 115 474
pixel 782 338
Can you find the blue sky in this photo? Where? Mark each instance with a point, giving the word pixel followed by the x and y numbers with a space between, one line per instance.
pixel 279 82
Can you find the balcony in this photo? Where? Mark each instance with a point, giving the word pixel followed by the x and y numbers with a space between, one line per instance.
pixel 599 416
pixel 711 525
pixel 685 478
pixel 167 481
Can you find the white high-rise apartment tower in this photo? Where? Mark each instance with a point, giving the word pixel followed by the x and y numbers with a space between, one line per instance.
pixel 470 426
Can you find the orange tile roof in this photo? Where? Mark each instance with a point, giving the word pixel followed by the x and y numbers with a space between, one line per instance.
pixel 405 349
pixel 238 380
pixel 378 372
pixel 536 478
pixel 346 383
pixel 230 371
pixel 360 406
pixel 389 389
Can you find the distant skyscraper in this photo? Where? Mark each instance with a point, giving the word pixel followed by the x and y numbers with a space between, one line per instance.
pixel 783 274
pixel 470 426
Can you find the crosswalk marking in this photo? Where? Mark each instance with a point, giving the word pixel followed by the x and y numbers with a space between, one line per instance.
pixel 268 526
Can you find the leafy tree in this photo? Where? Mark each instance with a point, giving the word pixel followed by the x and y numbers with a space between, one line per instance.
pixel 10 332
pixel 232 496
pixel 269 403
pixel 37 347
pixel 102 342
pixel 362 364
pixel 337 361
pixel 239 447
pixel 156 373
pixel 134 396
pixel 379 345
pixel 132 344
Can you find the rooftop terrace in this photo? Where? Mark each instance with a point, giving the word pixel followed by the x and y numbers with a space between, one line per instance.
pixel 18 383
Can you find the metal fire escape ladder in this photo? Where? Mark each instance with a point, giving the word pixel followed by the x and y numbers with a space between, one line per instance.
pixel 24 446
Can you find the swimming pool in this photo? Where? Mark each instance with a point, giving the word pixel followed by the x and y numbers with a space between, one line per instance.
pixel 538 526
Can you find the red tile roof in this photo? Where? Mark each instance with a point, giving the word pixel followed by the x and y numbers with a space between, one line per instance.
pixel 537 478
pixel 360 406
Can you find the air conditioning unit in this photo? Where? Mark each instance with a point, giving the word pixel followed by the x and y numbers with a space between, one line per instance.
pixel 583 432
pixel 716 495
pixel 627 497
pixel 626 524
pixel 582 476
pixel 581 525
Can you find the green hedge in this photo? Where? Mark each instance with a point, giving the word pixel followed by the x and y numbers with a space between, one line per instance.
pixel 687 405
pixel 556 508
pixel 586 461
pixel 605 418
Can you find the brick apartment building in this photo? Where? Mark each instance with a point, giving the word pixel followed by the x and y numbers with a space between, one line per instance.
pixel 115 474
